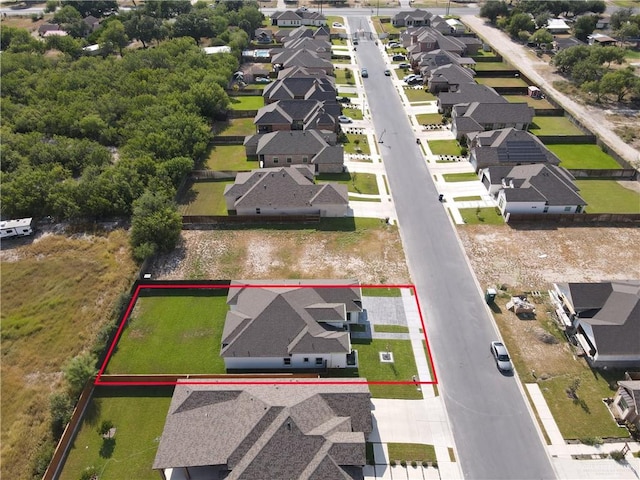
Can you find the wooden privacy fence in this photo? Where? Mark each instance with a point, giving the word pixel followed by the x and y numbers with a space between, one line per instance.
pixel 605 174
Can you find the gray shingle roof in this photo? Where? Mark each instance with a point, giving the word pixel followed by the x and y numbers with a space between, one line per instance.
pixel 495 112
pixel 508 145
pixel 268 431
pixel 276 322
pixel 470 92
pixel 309 112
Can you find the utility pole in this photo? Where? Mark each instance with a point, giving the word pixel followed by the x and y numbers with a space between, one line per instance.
pixel 378 9
pixel 448 7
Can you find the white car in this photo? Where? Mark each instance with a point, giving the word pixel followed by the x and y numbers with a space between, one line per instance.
pixel 344 119
pixel 337 25
pixel 409 78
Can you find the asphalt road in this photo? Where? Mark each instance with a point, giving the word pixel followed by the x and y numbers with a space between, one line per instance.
pixel 495 435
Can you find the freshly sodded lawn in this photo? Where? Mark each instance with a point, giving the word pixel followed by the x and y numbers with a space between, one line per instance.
pixel 229 157
pixel 391 329
pixel 355 142
pixel 235 126
pixel 354 113
pixel 357 182
pixel 554 126
pixel 401 370
pixel 419 95
pixel 429 118
pixel 445 147
pixel 483 216
pixel 608 196
pixel 138 414
pixel 253 102
pixel 578 156
pixel 204 198
pixel 173 334
pixel 460 177
pixel 409 452
pixel 491 66
pixel 467 199
pixel 501 82
pixel 381 292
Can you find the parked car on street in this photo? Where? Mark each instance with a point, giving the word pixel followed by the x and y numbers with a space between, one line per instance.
pixel 387 72
pixel 364 72
pixel 501 356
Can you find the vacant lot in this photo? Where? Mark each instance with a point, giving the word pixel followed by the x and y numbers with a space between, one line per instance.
pixel 372 253
pixel 173 334
pixel 57 291
pixel 138 415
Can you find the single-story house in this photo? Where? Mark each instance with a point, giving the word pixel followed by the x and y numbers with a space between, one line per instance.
pixel 285 191
pixel 321 48
pixel 92 22
pixel 467 93
pixel 263 36
pixel 509 147
pixel 448 78
pixel 626 402
pixel 302 58
pixel 47 28
pixel 298 115
pixel 296 324
pixel 604 319
pixel 321 88
pixel 301 16
pixel 557 25
pixel 601 39
pixel 412 18
pixel 603 22
pixel 483 116
pixel 297 147
pixel 561 43
pixel 537 188
pixel 266 431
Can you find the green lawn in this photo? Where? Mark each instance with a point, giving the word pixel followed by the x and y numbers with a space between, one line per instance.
pixel 409 452
pixel 341 78
pixel 138 414
pixel 364 183
pixel 204 198
pixel 173 334
pixel 460 177
pixel 381 292
pixel 608 196
pixel 554 126
pixel 539 103
pixel 419 95
pixel 401 370
pixel 354 113
pixel 429 118
pixel 484 216
pixel 229 157
pixel 482 53
pixel 235 126
pixel 501 81
pixel 632 54
pixel 445 147
pixel 579 156
pixel 355 142
pixel 470 198
pixel 347 94
pixel 391 329
pixel 586 417
pixel 248 102
pixel 491 66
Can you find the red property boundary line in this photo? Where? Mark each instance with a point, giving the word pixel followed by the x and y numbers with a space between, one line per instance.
pixel 190 286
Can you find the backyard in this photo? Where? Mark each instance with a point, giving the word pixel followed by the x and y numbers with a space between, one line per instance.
pixel 536 103
pixel 491 66
pixel 138 415
pixel 501 82
pixel 247 102
pixel 229 158
pixel 173 334
pixel 554 126
pixel 583 156
pixel 609 196
pixel 204 198
pixel 235 127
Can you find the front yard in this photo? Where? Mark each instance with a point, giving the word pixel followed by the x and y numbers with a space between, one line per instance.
pixel 357 143
pixel 460 177
pixel 429 119
pixel 445 147
pixel 415 95
pixel 204 198
pixel 357 182
pixel 482 216
pixel 138 415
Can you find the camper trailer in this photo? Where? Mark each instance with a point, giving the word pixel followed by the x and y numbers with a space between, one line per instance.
pixel 16 228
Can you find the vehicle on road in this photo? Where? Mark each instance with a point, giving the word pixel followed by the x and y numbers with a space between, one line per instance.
pixel 501 356
pixel 387 72
pixel 344 119
pixel 364 72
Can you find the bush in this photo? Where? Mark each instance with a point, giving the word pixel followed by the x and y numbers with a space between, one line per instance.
pixel 591 441
pixel 89 473
pixel 414 464
pixel 403 463
pixel 43 458
pixel 78 372
pixel 105 426
pixel 61 408
pixel 392 463
pixel 425 464
pixel 617 455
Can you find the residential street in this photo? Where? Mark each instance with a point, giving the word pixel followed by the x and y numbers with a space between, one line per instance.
pixel 493 426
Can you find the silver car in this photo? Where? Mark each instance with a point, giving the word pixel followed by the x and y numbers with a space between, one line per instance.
pixel 501 356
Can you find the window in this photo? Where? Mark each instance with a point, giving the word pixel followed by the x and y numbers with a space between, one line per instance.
pixel 257 211
pixel 287 361
pixel 306 360
pixel 567 209
pixel 288 159
pixel 305 159
pixel 319 361
pixel 276 159
pixel 546 209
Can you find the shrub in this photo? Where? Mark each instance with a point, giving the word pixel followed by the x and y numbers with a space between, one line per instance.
pixel 425 464
pixel 61 408
pixel 434 464
pixel 89 473
pixel 414 464
pixel 392 463
pixel 617 455
pixel 403 463
pixel 105 426
pixel 42 458
pixel 78 372
pixel 591 441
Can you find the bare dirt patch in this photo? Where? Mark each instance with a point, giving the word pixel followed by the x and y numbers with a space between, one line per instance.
pixel 373 255
pixel 534 258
